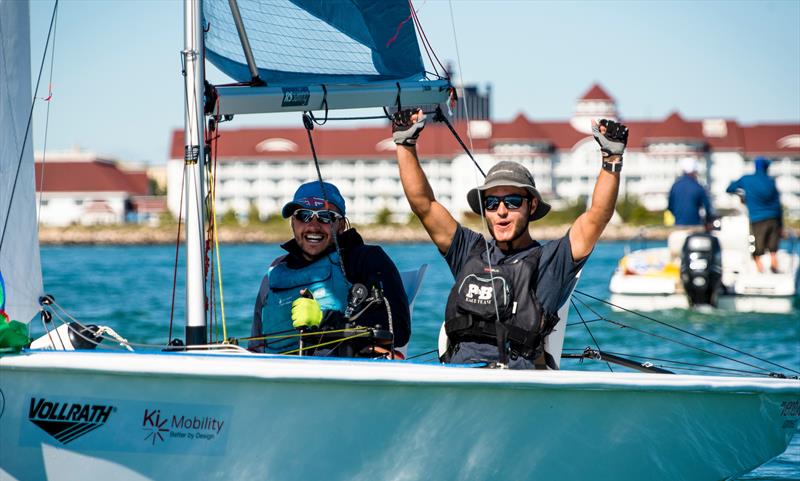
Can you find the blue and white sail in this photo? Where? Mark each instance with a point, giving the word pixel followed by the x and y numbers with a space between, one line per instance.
pixel 19 245
pixel 364 53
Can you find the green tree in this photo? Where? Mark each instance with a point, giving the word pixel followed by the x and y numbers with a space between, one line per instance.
pixel 633 212
pixel 384 216
pixel 253 215
pixel 229 218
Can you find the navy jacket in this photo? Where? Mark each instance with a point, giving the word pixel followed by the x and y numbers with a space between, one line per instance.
pixel 365 264
pixel 761 196
pixel 686 197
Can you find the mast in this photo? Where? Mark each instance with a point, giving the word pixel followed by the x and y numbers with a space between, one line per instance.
pixel 194 155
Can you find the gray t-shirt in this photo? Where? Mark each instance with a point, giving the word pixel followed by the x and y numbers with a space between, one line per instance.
pixel 556 278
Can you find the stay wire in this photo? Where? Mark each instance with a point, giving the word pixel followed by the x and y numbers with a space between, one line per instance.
pixel 177 256
pixel 594 340
pixel 47 122
pixel 28 127
pixel 308 124
pixel 664 338
pixel 690 333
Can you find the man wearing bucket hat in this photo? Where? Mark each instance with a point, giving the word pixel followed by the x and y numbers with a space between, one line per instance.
pixel 309 287
pixel 508 289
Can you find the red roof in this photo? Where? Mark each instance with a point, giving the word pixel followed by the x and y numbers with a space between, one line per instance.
pixel 374 142
pixel 772 139
pixel 519 129
pixel 675 127
pixel 596 92
pixel 93 176
pixel 330 143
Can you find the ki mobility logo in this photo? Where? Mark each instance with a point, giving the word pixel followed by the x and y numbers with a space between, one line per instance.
pixel 66 421
pixel 160 425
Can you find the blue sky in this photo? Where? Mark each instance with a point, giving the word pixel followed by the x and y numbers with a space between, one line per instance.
pixel 117 84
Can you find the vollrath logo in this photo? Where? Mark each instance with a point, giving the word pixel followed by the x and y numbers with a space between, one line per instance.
pixel 66 421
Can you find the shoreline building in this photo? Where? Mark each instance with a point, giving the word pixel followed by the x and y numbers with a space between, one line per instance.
pixel 80 187
pixel 262 167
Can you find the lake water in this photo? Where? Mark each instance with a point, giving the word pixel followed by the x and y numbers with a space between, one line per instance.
pixel 130 290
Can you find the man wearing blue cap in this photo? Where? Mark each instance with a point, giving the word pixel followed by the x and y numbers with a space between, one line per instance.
pixel 763 203
pixel 309 287
pixel 509 288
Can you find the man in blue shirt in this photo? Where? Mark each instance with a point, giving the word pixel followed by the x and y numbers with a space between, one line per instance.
pixel 763 203
pixel 508 289
pixel 687 197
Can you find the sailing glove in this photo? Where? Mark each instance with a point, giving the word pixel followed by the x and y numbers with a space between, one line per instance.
pixel 612 142
pixel 306 313
pixel 404 130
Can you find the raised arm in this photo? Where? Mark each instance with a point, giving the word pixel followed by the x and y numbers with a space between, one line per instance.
pixel 438 222
pixel 586 230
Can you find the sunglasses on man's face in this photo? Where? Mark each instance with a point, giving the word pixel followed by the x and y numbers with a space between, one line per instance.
pixel 511 201
pixel 323 216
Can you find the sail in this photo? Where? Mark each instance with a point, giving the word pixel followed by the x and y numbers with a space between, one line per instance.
pixel 315 41
pixel 19 251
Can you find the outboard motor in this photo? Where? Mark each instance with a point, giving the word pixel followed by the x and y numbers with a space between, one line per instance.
pixel 701 268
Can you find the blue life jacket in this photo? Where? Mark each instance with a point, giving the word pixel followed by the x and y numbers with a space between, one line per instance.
pixel 325 280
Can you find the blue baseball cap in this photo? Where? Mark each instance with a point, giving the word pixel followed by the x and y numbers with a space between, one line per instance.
pixel 762 163
pixel 310 196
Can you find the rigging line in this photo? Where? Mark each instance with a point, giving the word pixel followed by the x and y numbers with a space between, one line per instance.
pixel 424 354
pixel 676 362
pixel 307 123
pixel 664 338
pixel 440 117
pixel 425 37
pixel 177 254
pixel 46 124
pixel 738 351
pixel 27 128
pixel 215 150
pixel 306 348
pixel 594 340
pixel 460 73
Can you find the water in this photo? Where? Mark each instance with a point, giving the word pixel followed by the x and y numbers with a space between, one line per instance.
pixel 130 290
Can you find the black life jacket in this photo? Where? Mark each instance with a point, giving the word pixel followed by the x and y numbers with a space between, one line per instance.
pixel 471 313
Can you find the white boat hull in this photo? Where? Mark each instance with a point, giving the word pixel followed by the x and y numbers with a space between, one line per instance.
pixel 277 418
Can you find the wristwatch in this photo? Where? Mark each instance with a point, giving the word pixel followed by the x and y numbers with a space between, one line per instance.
pixel 614 166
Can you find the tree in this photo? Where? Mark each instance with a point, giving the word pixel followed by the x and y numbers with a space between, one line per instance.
pixel 384 216
pixel 253 215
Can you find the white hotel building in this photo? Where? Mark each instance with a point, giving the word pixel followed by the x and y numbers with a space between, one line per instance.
pixel 263 167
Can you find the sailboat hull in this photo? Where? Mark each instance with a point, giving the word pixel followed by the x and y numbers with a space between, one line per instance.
pixel 136 416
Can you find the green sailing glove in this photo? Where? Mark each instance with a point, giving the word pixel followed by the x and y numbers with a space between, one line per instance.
pixel 306 313
pixel 13 336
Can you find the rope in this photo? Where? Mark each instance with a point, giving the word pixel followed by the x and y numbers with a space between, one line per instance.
pixel 213 183
pixel 27 127
pixel 306 348
pixel 307 123
pixel 440 117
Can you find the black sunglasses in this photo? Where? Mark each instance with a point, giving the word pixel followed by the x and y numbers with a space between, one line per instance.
pixel 323 216
pixel 511 201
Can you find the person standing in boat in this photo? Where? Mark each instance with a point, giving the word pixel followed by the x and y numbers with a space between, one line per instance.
pixel 309 287
pixel 687 197
pixel 763 201
pixel 512 278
